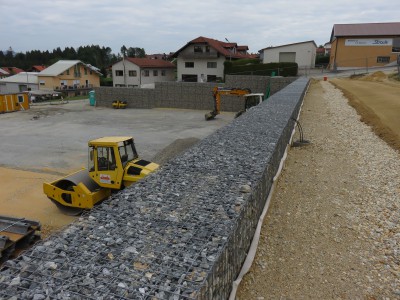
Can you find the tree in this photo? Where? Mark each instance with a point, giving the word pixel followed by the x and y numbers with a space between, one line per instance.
pixel 124 50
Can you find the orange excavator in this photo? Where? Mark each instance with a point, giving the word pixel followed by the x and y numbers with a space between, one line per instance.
pixel 250 100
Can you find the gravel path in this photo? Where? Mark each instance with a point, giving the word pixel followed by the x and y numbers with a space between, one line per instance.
pixel 332 231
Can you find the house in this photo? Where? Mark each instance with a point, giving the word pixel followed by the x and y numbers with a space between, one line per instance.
pixel 69 76
pixel 202 59
pixel 327 47
pixel 3 73
pixel 23 81
pixel 142 72
pixel 37 68
pixel 302 53
pixel 364 45
pixel 9 71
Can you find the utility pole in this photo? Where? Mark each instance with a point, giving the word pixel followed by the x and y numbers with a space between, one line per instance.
pixel 230 53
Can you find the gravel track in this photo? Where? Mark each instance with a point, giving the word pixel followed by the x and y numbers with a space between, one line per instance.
pixel 332 231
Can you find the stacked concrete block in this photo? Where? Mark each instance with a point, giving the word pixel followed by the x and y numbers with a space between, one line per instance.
pixel 182 233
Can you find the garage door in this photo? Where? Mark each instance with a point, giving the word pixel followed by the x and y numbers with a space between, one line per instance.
pixel 287 56
pixel 189 78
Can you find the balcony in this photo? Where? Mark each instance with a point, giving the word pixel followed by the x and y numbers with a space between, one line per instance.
pixel 74 90
pixel 199 55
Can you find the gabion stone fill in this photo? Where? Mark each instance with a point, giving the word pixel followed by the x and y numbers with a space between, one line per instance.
pixel 182 233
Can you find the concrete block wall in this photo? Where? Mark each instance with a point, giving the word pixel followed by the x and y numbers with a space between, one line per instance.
pixel 182 233
pixel 188 95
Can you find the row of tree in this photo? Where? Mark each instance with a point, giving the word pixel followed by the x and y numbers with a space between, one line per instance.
pixel 100 57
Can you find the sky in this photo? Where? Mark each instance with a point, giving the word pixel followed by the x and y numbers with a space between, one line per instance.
pixel 166 26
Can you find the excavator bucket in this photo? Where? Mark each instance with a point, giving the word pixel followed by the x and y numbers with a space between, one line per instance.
pixel 209 116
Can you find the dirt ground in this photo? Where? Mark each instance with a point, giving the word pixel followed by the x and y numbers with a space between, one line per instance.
pixel 332 229
pixel 377 99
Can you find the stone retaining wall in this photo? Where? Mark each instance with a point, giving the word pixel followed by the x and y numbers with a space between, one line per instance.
pixel 189 95
pixel 182 233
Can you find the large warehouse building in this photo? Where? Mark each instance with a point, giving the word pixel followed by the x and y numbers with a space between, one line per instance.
pixel 364 45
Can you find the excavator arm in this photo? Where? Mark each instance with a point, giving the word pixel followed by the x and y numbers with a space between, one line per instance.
pixel 217 92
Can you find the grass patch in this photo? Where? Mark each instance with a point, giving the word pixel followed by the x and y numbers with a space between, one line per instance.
pixel 80 97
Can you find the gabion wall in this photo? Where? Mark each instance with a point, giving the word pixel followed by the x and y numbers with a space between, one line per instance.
pixel 182 233
pixel 189 95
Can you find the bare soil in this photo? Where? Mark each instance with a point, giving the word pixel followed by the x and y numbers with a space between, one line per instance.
pixel 377 100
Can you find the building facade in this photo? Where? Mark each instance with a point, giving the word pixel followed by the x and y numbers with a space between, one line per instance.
pixel 355 46
pixel 142 72
pixel 67 75
pixel 302 53
pixel 202 59
pixel 23 81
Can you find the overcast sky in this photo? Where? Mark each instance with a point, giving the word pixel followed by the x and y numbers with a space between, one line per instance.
pixel 166 26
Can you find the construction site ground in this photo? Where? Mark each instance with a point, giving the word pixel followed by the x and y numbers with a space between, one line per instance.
pixel 49 141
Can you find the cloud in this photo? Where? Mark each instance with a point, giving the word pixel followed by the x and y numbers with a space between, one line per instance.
pixel 164 26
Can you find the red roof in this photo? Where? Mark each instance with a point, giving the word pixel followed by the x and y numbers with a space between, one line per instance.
pixel 12 70
pixel 38 68
pixel 150 63
pixel 366 29
pixel 219 46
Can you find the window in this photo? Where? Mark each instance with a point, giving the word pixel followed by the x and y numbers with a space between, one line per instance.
pixel 132 73
pixel 207 49
pixel 146 73
pixel 198 49
pixel 396 45
pixel 127 152
pixel 119 73
pixel 155 72
pixel 189 64
pixel 383 59
pixel 20 99
pixel 85 71
pixel 41 82
pixel 211 64
pixel 105 158
pixel 163 73
pixel 67 72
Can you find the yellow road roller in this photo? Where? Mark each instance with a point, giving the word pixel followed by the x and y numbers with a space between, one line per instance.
pixel 113 165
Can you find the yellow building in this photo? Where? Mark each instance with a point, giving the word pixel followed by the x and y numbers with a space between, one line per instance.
pixel 355 46
pixel 69 76
pixel 13 102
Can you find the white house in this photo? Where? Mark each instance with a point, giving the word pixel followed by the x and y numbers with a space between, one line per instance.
pixel 302 53
pixel 142 72
pixel 202 59
pixel 20 82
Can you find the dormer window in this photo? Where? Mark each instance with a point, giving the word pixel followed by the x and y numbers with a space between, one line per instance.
pixel 198 49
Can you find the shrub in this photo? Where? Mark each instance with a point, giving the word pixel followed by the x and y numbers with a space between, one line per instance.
pixel 278 69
